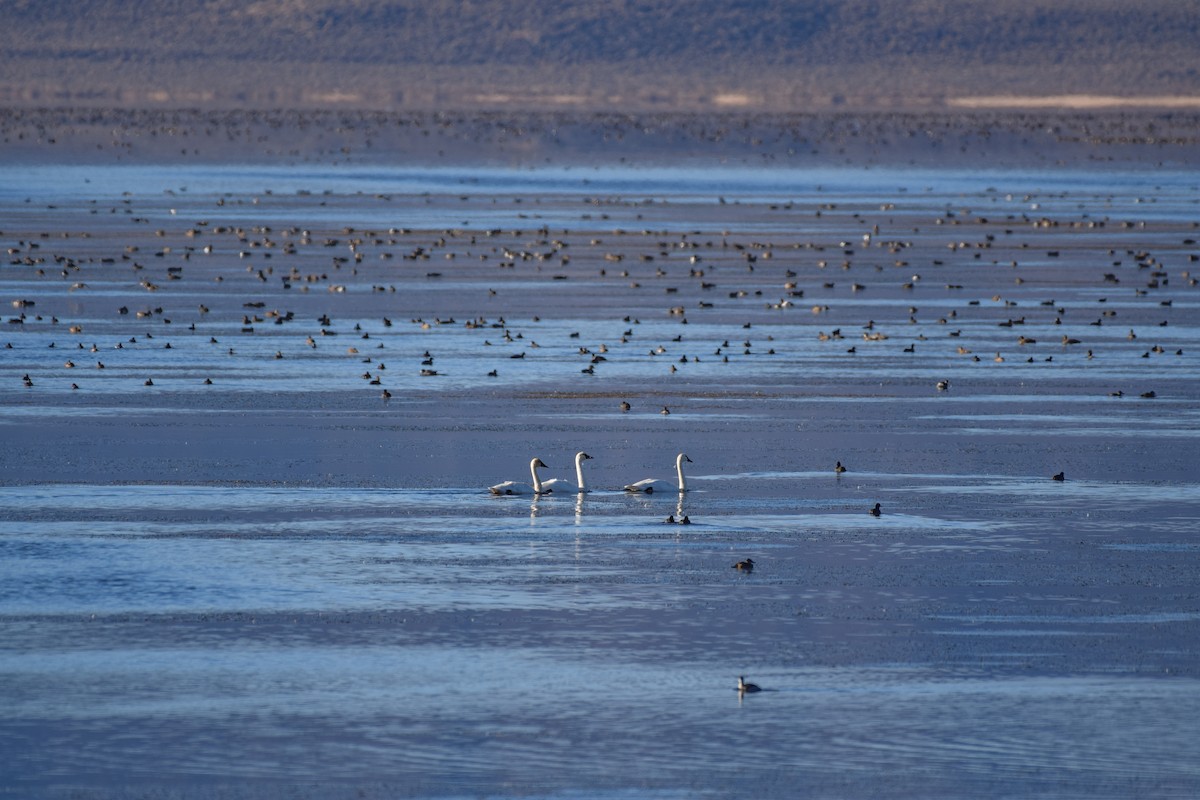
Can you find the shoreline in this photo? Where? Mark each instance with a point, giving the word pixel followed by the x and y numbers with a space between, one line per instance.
pixel 1094 138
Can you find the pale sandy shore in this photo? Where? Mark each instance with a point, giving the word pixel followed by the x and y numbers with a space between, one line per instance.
pixel 1076 102
pixel 254 390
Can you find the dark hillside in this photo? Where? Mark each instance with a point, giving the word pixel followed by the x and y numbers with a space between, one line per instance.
pixel 583 53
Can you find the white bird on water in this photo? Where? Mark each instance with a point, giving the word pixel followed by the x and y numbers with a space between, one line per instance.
pixel 565 486
pixel 516 487
pixel 649 485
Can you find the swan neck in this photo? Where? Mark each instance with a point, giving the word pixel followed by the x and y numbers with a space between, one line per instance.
pixel 679 470
pixel 537 484
pixel 579 473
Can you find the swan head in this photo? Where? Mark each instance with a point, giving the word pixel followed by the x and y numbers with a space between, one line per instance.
pixel 581 456
pixel 682 458
pixel 537 463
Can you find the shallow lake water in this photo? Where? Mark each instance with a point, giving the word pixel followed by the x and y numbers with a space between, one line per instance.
pixel 233 567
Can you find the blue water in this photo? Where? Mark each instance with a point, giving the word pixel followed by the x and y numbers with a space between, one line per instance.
pixel 449 193
pixel 157 630
pixel 282 584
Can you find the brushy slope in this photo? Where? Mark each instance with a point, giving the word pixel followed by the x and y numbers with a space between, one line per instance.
pixel 593 53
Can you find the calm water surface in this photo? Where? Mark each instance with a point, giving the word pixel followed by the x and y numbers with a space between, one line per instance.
pixel 281 584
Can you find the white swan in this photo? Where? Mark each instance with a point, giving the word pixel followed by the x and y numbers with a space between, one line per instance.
pixel 649 485
pixel 565 486
pixel 515 487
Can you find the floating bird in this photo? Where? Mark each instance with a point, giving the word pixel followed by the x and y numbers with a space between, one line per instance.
pixel 875 512
pixel 1059 477
pixel 515 487
pixel 747 688
pixel 745 566
pixel 838 469
pixel 648 485
pixel 566 487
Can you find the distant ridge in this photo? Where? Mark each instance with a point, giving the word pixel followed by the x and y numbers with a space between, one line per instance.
pixel 596 54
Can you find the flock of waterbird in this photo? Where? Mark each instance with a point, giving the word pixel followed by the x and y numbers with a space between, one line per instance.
pixel 749 288
pixel 537 486
pixel 876 281
pixel 556 485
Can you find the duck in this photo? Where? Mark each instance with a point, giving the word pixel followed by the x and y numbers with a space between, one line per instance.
pixel 560 485
pixel 516 487
pixel 747 688
pixel 838 469
pixel 648 485
pixel 875 512
pixel 744 566
pixel 1059 477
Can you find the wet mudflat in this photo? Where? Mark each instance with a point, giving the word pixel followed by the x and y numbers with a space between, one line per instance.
pixel 263 560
